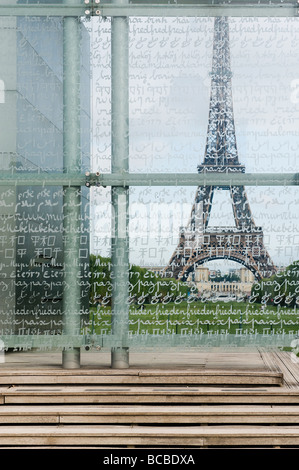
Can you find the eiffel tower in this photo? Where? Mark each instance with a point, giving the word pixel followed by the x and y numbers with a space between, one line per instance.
pixel 244 242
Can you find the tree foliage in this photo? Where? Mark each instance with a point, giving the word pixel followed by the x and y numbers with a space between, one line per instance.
pixel 280 289
pixel 144 286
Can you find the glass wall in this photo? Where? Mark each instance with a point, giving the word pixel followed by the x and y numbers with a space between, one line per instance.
pixel 149 169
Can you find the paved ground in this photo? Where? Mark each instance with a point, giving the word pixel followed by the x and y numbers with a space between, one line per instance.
pixel 171 359
pixel 242 359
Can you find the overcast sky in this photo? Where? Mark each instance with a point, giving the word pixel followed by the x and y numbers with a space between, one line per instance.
pixel 170 62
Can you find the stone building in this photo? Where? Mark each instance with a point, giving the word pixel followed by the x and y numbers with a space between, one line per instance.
pixel 208 286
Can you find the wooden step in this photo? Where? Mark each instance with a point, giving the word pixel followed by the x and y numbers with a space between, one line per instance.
pixel 38 394
pixel 139 377
pixel 103 436
pixel 257 414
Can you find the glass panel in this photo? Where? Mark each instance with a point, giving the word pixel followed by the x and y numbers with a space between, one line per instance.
pixel 170 84
pixel 222 295
pixel 249 233
pixel 198 256
pixel 33 235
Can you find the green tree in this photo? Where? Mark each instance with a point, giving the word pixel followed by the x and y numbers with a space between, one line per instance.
pixel 145 286
pixel 100 280
pixel 280 289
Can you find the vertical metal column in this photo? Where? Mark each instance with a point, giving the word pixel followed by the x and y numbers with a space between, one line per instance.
pixel 120 196
pixel 72 199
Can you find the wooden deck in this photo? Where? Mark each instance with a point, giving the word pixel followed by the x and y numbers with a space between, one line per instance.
pixel 246 399
pixel 141 377
pixel 280 361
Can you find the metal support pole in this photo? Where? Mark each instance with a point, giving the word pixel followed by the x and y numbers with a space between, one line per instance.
pixel 72 200
pixel 120 195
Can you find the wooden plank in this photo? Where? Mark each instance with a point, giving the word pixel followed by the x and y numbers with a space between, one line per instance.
pixel 2 394
pixel 29 419
pixel 211 372
pixel 149 414
pixel 277 360
pixel 102 436
pixel 132 390
pixel 101 394
pixel 155 399
pixel 267 356
pixel 146 390
pixel 234 377
pixel 190 415
pixel 131 372
pixel 67 372
pixel 289 368
pixel 259 436
pixel 278 363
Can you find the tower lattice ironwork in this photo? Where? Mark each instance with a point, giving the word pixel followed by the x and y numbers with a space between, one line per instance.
pixel 244 242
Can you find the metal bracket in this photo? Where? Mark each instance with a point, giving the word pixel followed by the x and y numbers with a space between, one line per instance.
pixel 92 8
pixel 93 179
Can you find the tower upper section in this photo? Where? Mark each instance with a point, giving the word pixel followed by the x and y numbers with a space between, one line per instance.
pixel 221 154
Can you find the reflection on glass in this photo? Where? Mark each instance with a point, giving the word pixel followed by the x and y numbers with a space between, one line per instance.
pixel 31 118
pixel 177 97
pixel 171 99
